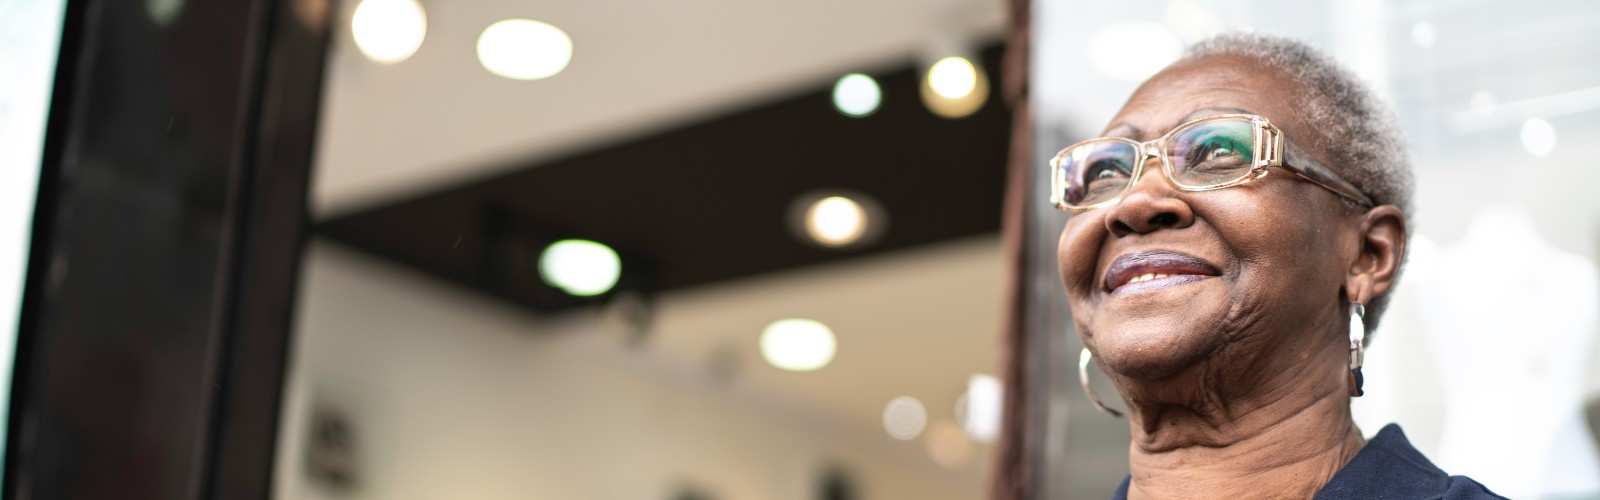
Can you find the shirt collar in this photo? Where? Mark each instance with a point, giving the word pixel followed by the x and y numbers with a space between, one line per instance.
pixel 1387 467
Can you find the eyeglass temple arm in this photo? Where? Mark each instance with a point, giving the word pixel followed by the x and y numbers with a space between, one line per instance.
pixel 1299 164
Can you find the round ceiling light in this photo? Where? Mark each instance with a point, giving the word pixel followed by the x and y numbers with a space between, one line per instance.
pixel 798 345
pixel 954 88
pixel 837 218
pixel 857 95
pixel 953 77
pixel 524 49
pixel 580 267
pixel 836 221
pixel 388 31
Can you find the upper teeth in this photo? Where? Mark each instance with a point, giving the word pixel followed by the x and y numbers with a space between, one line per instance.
pixel 1147 277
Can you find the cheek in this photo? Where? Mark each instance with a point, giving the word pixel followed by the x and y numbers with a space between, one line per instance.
pixel 1287 259
pixel 1077 254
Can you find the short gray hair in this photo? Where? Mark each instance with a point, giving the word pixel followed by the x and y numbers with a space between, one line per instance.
pixel 1342 107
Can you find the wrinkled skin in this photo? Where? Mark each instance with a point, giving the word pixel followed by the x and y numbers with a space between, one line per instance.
pixel 1236 384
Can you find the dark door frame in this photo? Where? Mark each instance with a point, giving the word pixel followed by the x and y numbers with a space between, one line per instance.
pixel 161 279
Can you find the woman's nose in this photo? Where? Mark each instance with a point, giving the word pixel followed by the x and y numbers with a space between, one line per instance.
pixel 1149 205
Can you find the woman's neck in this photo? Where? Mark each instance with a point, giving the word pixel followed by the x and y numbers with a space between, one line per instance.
pixel 1279 436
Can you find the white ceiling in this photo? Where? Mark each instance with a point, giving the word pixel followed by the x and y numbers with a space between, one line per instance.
pixel 389 131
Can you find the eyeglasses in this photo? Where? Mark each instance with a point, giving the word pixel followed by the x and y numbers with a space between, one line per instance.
pixel 1206 154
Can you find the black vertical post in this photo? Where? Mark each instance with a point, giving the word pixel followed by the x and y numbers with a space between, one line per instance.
pixel 157 309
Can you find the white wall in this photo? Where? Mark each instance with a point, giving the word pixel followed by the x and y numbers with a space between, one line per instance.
pixel 455 397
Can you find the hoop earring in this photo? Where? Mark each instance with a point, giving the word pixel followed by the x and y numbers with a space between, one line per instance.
pixel 1083 378
pixel 1358 337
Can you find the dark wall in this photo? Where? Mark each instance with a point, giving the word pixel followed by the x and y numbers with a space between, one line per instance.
pixel 155 315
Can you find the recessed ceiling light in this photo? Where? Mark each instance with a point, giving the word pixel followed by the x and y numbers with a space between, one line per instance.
pixel 524 49
pixel 837 218
pixel 798 345
pixel 580 267
pixel 953 77
pixel 954 88
pixel 836 221
pixel 388 31
pixel 857 95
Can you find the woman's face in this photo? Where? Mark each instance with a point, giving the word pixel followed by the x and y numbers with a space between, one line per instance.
pixel 1246 267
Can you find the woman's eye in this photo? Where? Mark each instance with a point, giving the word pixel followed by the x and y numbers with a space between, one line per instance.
pixel 1220 151
pixel 1219 148
pixel 1105 170
pixel 1217 153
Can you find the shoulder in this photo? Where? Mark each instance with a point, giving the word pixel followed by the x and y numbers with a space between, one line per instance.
pixel 1389 467
pixel 1464 488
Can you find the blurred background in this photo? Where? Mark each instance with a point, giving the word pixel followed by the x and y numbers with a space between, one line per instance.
pixel 1486 355
pixel 703 250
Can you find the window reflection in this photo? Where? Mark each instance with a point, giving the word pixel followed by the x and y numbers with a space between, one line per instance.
pixel 1486 356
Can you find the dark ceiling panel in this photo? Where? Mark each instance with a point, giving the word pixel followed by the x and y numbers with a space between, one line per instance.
pixel 708 202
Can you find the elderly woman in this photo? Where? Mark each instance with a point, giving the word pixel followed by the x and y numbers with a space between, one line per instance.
pixel 1234 235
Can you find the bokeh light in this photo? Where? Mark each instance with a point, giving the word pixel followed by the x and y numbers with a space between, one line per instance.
pixel 836 221
pixel 1538 136
pixel 163 12
pixel 954 88
pixel 948 445
pixel 904 418
pixel 524 49
pixel 953 77
pixel 389 31
pixel 580 267
pixel 798 345
pixel 857 95
pixel 1424 34
pixel 979 409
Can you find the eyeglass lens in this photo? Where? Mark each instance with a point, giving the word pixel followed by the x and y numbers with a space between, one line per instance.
pixel 1203 154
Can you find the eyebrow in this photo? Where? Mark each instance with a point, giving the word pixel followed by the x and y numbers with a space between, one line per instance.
pixel 1134 132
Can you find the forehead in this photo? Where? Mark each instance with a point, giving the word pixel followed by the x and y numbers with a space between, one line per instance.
pixel 1206 86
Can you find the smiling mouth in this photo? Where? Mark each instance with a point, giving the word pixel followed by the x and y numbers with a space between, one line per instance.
pixel 1156 281
pixel 1147 277
pixel 1149 270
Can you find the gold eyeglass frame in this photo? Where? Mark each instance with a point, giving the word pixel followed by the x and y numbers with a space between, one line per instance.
pixel 1269 152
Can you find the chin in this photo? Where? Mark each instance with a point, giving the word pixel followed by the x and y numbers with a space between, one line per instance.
pixel 1153 347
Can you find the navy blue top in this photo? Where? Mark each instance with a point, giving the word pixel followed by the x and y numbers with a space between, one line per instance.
pixel 1388 467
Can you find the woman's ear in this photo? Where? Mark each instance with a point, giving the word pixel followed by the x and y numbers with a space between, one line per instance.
pixel 1382 251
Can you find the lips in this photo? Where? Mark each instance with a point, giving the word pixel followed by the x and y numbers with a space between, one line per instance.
pixel 1155 269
